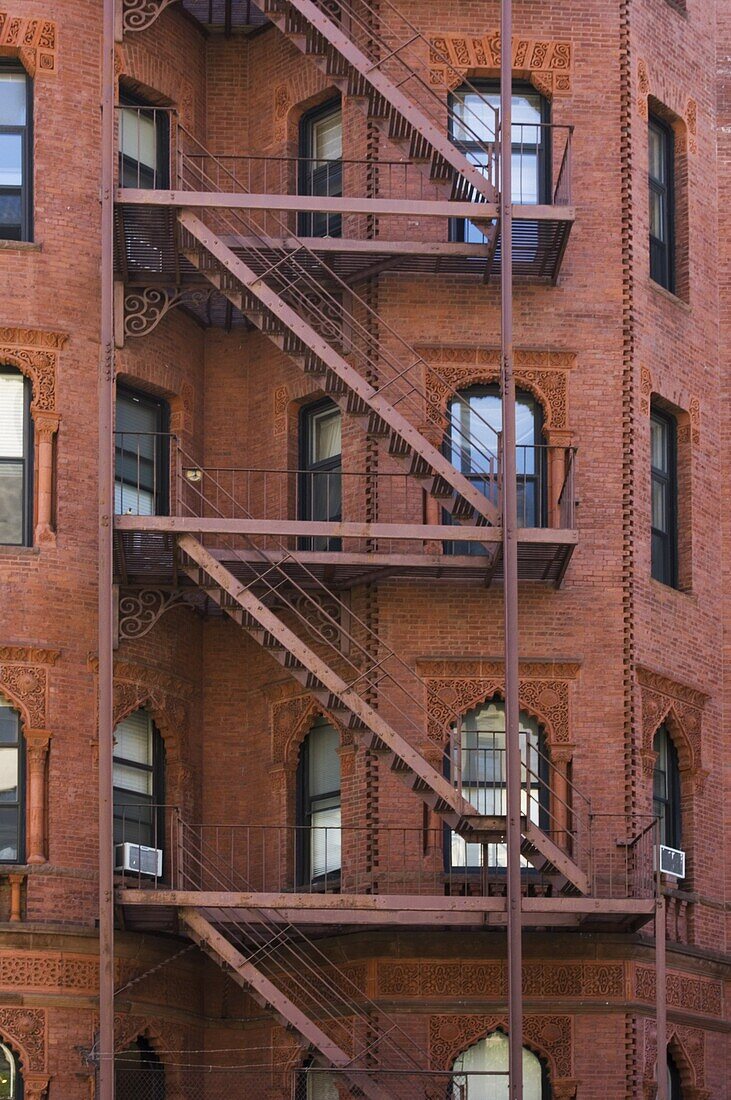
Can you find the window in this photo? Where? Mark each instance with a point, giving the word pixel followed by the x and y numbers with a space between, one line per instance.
pixel 320 489
pixel 675 1088
pixel 318 805
pixel 11 1085
pixel 16 152
pixel 666 788
pixel 139 781
pixel 144 144
pixel 490 1055
pixel 16 459
pixel 472 124
pixel 138 1073
pixel 321 167
pixel 314 1083
pixel 481 734
pixel 142 455
pixel 475 422
pixel 664 497
pixel 12 786
pixel 661 181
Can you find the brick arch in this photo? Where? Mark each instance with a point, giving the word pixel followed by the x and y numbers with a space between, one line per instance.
pixel 171 717
pixel 291 721
pixel 34 41
pixel 156 79
pixel 682 708
pixel 40 368
pixel 24 1031
pixel 547 63
pixel 687 1047
pixel 549 1037
pixel 466 694
pixel 10 695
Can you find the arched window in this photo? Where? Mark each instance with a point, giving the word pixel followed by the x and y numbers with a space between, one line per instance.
pixel 489 1057
pixel 675 1088
pixel 139 781
pixel 318 806
pixel 666 789
pixel 16 459
pixel 315 1084
pixel 138 1073
pixel 321 166
pixel 481 735
pixel 11 1084
pixel 12 786
pixel 320 478
pixel 475 421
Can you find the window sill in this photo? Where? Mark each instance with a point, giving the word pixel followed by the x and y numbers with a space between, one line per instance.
pixel 668 295
pixel 7 550
pixel 669 588
pixel 20 246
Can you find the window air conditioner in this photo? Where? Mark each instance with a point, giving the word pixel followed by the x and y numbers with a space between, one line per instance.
pixel 139 859
pixel 672 861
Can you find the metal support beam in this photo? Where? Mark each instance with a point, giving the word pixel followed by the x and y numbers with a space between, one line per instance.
pixel 105 444
pixel 510 569
pixel 661 1015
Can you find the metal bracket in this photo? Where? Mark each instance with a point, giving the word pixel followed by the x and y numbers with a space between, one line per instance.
pixel 144 308
pixel 139 611
pixel 138 15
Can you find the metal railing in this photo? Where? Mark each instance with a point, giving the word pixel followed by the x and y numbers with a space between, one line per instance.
pixel 152 468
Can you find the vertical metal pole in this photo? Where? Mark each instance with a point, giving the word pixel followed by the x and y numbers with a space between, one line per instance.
pixel 105 594
pixel 510 558
pixel 661 1018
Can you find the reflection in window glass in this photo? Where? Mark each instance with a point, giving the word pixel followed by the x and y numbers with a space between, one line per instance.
pixel 15 152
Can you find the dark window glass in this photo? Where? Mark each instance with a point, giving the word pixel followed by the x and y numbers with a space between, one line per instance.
pixel 481 734
pixel 144 144
pixel 16 459
pixel 12 786
pixel 142 455
pixel 138 1073
pixel 675 1088
pixel 472 125
pixel 475 422
pixel 321 167
pixel 318 806
pixel 660 177
pixel 11 1085
pixel 664 497
pixel 320 490
pixel 16 151
pixel 666 789
pixel 139 781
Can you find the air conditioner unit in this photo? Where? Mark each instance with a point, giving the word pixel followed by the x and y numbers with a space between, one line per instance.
pixel 139 859
pixel 672 861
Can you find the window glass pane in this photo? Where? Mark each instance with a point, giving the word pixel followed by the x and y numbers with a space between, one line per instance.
pixel 11 215
pixel 9 834
pixel 9 768
pixel 135 415
pixel 133 738
pixel 11 503
pixel 11 160
pixel 9 723
pixel 12 407
pixel 524 186
pixel 138 780
pixel 659 444
pixel 473 117
pixel 659 505
pixel 324 763
pixel 657 214
pixel 326 435
pixel 13 97
pixel 131 501
pixel 325 838
pixel 138 137
pixel 327 137
pixel 491 1055
pixel 657 154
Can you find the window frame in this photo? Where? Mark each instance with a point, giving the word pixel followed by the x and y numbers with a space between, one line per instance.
pixel 26 189
pixel 662 253
pixel 161 121
pixel 161 454
pixel 303 820
pixel 670 816
pixel 665 569
pixel 157 771
pixel 19 1091
pixel 330 466
pixel 544 157
pixel 27 458
pixel 20 803
pixel 307 221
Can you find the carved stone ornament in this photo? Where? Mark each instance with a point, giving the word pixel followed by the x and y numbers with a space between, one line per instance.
pixel 543 373
pixel 550 1037
pixel 701 995
pixel 548 62
pixel 691 122
pixel 422 979
pixel 688 1048
pixel 26 686
pixel 25 1031
pixel 35 353
pixel 643 88
pixel 646 386
pixel 139 611
pixel 138 15
pixel 681 708
pixel 144 308
pixel 454 687
pixel 36 41
pixel 290 720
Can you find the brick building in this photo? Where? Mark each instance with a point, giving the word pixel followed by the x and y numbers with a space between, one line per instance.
pixel 309 664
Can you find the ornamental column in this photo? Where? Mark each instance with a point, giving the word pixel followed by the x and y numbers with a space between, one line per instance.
pixel 557 440
pixel 37 744
pixel 34 1087
pixel 45 425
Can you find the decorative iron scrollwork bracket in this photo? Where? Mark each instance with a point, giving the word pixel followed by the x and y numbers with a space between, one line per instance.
pixel 138 15
pixel 139 611
pixel 145 308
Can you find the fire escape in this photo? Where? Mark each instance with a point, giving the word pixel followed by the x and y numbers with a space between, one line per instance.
pixel 219 239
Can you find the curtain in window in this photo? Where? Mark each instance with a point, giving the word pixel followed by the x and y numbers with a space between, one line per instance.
pixel 14 448
pixel 490 1056
pixel 135 819
pixel 11 785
